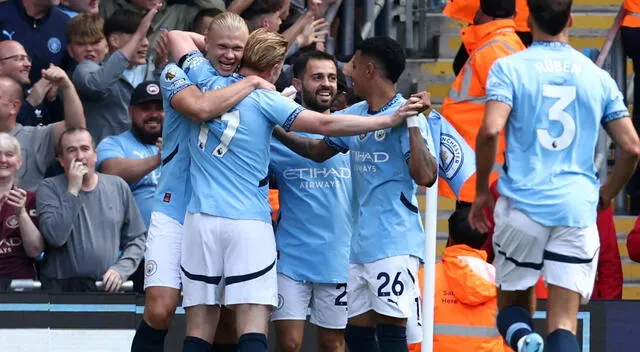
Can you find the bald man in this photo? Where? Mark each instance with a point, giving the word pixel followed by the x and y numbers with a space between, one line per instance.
pixel 15 63
pixel 38 143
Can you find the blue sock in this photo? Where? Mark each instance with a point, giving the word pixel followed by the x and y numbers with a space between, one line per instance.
pixel 220 347
pixel 514 323
pixel 562 340
pixel 195 344
pixel 392 338
pixel 252 342
pixel 361 338
pixel 148 339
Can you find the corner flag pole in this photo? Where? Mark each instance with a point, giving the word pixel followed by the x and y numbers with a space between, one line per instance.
pixel 428 283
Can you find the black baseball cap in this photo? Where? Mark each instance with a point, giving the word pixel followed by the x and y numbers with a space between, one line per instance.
pixel 498 8
pixel 146 91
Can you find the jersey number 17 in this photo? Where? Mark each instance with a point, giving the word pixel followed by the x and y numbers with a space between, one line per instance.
pixel 233 121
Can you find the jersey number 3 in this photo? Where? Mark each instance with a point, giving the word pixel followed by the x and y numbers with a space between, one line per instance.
pixel 233 121
pixel 565 95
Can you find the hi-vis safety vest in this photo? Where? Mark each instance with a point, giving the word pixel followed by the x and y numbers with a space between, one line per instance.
pixel 464 105
pixel 632 19
pixel 465 11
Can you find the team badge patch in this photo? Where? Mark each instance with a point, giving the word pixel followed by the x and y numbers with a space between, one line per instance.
pixel 54 45
pixel 150 268
pixel 379 135
pixel 167 197
pixel 12 222
pixel 170 75
pixel 451 156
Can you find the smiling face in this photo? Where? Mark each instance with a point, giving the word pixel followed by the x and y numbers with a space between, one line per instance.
pixel 10 161
pixel 14 62
pixel 225 48
pixel 319 85
pixel 146 120
pixel 95 51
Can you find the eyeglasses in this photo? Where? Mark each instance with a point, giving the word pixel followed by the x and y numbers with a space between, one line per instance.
pixel 17 58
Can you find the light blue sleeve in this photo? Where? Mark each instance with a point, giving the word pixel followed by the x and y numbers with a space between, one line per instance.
pixel 198 68
pixel 614 107
pixel 405 140
pixel 172 81
pixel 280 110
pixel 109 148
pixel 499 85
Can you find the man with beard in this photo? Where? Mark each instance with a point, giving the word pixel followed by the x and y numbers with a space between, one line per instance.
pixel 134 155
pixel 311 192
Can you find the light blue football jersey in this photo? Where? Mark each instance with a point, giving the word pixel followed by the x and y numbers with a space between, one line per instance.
pixel 230 155
pixel 559 98
pixel 174 188
pixel 388 219
pixel 126 145
pixel 314 223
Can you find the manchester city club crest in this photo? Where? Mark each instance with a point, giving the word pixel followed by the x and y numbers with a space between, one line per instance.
pixel 54 45
pixel 150 268
pixel 379 135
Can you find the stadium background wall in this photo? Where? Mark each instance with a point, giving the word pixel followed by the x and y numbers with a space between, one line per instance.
pixel 98 322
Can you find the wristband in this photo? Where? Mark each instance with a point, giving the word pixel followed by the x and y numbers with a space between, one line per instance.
pixel 412 121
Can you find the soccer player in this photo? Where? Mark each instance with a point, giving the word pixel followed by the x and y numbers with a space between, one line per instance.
pixel 389 239
pixel 229 255
pixel 184 102
pixel 314 226
pixel 552 101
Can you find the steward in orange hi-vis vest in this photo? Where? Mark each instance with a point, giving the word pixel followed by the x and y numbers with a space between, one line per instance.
pixel 465 11
pixel 464 105
pixel 632 18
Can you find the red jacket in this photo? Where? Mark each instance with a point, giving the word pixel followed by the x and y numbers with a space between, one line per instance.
pixel 609 279
pixel 633 242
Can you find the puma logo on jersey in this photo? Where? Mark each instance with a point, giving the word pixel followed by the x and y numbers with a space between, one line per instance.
pixel 8 34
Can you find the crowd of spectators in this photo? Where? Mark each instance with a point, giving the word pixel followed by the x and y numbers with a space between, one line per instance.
pixel 80 124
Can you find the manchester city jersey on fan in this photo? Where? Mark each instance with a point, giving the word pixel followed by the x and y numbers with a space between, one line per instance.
pixel 388 220
pixel 314 223
pixel 558 98
pixel 174 188
pixel 230 155
pixel 127 145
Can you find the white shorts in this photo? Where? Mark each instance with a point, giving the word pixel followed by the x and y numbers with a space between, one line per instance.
pixel 328 302
pixel 566 256
pixel 162 256
pixel 227 262
pixel 387 286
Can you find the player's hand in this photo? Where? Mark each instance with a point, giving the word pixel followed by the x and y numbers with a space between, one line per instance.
pixel 260 83
pixel 112 281
pixel 411 107
pixel 477 216
pixel 76 173
pixel 38 92
pixel 289 92
pixel 425 97
pixel 57 77
pixel 17 198
pixel 159 144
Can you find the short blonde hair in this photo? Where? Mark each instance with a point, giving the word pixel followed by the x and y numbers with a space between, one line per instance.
pixel 86 28
pixel 263 50
pixel 9 142
pixel 228 21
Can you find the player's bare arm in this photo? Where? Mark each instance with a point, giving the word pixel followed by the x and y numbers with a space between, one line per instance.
pixel 351 125
pixel 181 43
pixel 422 165
pixel 495 118
pixel 202 107
pixel 624 135
pixel 310 148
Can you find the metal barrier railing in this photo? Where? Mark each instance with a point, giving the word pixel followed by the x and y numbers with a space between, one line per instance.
pixel 27 285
